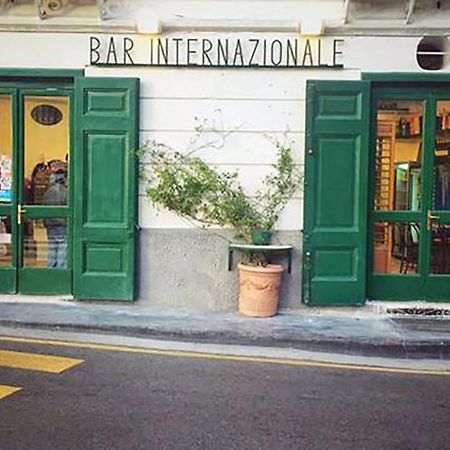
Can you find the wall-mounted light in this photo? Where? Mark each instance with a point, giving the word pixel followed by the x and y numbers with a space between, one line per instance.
pixel 149 25
pixel 311 27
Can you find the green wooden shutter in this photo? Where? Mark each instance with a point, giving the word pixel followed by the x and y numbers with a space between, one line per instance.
pixel 336 171
pixel 105 216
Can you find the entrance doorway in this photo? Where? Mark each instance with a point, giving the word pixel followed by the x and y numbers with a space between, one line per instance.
pixel 35 191
pixel 409 208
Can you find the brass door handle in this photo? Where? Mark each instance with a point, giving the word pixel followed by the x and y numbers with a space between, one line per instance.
pixel 20 211
pixel 430 218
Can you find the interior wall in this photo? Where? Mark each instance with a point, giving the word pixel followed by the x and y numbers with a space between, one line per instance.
pixel 5 126
pixel 407 151
pixel 43 142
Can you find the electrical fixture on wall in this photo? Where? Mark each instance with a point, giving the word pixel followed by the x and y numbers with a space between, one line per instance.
pixel 54 8
pixel 5 4
pixel 432 52
pixel 149 25
pixel 113 9
pixel 311 27
pixel 50 8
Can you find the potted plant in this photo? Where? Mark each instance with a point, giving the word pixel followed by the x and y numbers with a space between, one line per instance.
pixel 186 185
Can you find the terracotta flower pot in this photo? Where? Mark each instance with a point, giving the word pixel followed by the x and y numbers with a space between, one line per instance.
pixel 258 295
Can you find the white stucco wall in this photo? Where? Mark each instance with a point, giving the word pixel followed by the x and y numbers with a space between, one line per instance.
pixel 252 104
pixel 249 103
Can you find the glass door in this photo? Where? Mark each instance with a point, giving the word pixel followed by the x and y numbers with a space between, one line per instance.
pixel 8 227
pixel 43 207
pixel 396 221
pixel 438 203
pixel 409 226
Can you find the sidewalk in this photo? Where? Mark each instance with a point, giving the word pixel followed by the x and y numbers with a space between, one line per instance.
pixel 350 331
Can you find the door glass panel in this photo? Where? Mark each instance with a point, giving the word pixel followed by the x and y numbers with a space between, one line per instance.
pixel 45 243
pixel 46 151
pixel 6 132
pixel 440 250
pixel 441 185
pixel 5 241
pixel 396 247
pixel 398 159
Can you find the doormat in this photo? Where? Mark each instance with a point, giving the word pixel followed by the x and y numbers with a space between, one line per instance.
pixel 415 311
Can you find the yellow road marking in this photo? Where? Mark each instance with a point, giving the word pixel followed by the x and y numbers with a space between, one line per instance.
pixel 33 361
pixel 7 390
pixel 264 360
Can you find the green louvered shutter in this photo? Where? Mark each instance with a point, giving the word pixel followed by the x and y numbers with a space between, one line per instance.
pixel 106 137
pixel 336 178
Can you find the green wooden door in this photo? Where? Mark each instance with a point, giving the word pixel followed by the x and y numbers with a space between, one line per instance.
pixel 106 137
pixel 335 211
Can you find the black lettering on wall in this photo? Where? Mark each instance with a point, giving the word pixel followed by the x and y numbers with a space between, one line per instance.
pixel 218 52
pixel 336 51
pixel 307 54
pixel 238 53
pixel 255 43
pixel 276 54
pixel 152 41
pixel 191 51
pixel 163 51
pixel 94 44
pixel 128 45
pixel 222 52
pixel 177 50
pixel 319 52
pixel 206 48
pixel 292 52
pixel 111 52
pixel 264 53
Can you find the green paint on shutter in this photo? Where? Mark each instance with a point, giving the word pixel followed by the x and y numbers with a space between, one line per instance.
pixel 336 168
pixel 106 137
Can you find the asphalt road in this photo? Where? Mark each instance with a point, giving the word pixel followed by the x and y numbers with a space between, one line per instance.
pixel 121 400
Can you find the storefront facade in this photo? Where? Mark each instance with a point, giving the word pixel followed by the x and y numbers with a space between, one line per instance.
pixel 377 223
pixel 58 236
pixel 368 127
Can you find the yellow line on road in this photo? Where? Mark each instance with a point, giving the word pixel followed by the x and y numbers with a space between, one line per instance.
pixel 218 357
pixel 33 361
pixel 7 390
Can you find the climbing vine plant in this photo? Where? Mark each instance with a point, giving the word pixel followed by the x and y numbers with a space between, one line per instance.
pixel 185 184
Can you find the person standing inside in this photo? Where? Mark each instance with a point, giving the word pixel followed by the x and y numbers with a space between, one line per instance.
pixel 56 195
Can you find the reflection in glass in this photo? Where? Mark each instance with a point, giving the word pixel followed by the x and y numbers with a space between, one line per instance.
pixel 396 248
pixel 441 186
pixel 5 241
pixel 45 243
pixel 398 155
pixel 46 152
pixel 440 250
pixel 6 181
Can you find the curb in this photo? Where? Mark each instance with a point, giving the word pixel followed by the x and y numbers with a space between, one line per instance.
pixel 394 348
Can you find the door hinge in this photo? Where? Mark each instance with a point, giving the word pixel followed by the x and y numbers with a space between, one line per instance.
pixel 307 277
